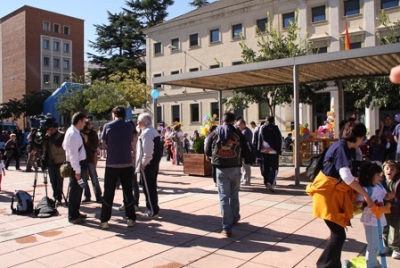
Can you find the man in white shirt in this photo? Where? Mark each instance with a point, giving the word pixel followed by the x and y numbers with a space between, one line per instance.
pixel 76 155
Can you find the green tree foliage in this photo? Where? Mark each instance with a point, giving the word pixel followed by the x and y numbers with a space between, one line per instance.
pixel 377 91
pixel 120 44
pixel 28 105
pixel 198 3
pixel 126 89
pixel 149 12
pixel 273 45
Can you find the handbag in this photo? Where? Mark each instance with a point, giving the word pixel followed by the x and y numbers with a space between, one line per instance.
pixel 66 169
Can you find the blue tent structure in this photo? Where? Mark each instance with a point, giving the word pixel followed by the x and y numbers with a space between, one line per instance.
pixel 49 104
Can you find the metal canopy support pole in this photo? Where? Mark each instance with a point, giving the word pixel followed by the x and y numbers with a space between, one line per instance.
pixel 219 106
pixel 296 124
pixel 155 119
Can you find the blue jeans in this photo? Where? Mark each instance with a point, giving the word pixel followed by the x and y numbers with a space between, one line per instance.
pixel 228 183
pixel 372 253
pixel 95 183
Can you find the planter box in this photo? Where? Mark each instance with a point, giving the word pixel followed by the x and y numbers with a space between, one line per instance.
pixel 196 164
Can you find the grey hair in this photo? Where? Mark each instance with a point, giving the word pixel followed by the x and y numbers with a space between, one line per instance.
pixel 146 118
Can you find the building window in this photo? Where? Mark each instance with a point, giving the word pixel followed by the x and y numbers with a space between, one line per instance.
pixel 46 44
pixel 214 36
pixel 215 110
pixel 174 72
pixel 287 18
pixel 238 112
pixel 46 26
pixel 355 45
pixel 46 78
pixel 237 31
pixel 56 80
pixel 159 114
pixel 237 63
pixel 194 112
pixel 193 69
pixel 157 85
pixel 318 14
pixel 157 48
pixel 66 48
pixel 389 3
pixel 320 50
pixel 56 45
pixel 351 7
pixel 175 113
pixel 56 28
pixel 56 63
pixel 214 66
pixel 262 25
pixel 263 110
pixel 66 64
pixel 175 44
pixel 46 61
pixel 193 40
pixel 66 30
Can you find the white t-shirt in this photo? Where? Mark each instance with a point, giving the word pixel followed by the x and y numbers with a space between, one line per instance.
pixel 367 217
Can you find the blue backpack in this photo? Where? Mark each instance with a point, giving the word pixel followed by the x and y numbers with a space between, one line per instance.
pixel 24 203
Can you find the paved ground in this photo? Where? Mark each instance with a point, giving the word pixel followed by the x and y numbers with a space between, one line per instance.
pixel 276 230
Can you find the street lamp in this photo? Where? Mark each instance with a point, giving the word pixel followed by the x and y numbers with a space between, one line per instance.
pixel 155 94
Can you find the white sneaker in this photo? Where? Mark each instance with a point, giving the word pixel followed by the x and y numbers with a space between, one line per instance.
pixel 396 255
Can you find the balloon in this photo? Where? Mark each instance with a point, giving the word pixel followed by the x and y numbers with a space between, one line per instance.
pixel 155 93
pixel 215 115
pixel 306 125
pixel 397 118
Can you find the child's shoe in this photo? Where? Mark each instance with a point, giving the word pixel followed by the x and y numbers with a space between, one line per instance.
pixel 396 255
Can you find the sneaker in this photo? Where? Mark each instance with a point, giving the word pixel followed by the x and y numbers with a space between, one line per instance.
pixel 77 221
pixel 104 225
pixel 121 208
pixel 270 187
pixel 130 223
pixel 152 215
pixel 396 255
pixel 226 234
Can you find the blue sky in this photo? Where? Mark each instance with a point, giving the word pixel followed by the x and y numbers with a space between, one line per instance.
pixel 92 11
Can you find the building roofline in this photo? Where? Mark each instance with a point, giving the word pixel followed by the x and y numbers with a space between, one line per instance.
pixel 25 7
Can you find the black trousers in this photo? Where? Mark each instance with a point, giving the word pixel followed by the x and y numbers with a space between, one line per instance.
pixel 75 193
pixel 110 181
pixel 269 166
pixel 56 181
pixel 330 257
pixel 149 178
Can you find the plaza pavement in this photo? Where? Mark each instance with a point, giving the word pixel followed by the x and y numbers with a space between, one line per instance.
pixel 275 230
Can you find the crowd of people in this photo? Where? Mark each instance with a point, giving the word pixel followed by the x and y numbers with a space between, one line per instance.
pixel 134 152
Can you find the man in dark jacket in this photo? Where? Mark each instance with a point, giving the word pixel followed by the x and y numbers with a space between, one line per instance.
pixel 270 147
pixel 227 148
pixel 53 155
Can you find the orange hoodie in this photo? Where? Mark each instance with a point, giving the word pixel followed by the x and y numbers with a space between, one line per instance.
pixel 332 199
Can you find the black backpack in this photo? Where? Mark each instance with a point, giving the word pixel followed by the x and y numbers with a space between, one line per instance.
pixel 315 165
pixel 24 203
pixel 46 208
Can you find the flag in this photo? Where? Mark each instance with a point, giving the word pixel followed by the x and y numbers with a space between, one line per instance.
pixel 347 38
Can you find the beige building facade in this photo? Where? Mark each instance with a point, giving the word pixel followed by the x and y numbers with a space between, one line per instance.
pixel 210 37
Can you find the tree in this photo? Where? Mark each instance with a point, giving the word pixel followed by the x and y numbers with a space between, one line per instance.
pixel 274 45
pixel 121 46
pixel 149 12
pixel 33 102
pixel 198 3
pixel 377 91
pixel 13 108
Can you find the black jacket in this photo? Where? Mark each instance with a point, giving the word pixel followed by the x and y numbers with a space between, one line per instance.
pixel 229 154
pixel 270 133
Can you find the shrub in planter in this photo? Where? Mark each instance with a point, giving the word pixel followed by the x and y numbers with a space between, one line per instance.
pixel 198 145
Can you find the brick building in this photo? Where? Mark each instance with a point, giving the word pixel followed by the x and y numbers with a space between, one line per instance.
pixel 38 50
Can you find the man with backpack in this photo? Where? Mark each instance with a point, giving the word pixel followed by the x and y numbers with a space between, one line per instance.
pixel 270 147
